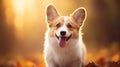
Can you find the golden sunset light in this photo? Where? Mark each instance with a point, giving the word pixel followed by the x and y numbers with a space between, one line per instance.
pixel 23 26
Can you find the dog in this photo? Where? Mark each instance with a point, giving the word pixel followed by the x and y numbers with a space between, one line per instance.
pixel 63 46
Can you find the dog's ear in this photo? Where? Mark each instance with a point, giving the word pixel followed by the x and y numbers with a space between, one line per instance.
pixel 79 15
pixel 51 13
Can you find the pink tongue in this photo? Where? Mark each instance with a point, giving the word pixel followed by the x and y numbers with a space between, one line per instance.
pixel 62 42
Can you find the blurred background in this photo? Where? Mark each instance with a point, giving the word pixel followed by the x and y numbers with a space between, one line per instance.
pixel 23 27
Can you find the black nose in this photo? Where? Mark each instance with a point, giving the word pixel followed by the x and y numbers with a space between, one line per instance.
pixel 63 33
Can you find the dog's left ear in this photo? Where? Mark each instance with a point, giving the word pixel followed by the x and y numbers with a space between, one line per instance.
pixel 79 15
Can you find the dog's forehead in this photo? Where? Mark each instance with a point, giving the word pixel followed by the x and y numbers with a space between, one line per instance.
pixel 64 19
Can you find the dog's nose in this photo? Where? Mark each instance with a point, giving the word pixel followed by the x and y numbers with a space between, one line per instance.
pixel 63 33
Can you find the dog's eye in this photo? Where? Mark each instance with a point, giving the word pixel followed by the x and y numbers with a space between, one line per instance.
pixel 69 26
pixel 58 25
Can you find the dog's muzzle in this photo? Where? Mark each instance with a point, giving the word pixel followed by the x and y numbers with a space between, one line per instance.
pixel 63 37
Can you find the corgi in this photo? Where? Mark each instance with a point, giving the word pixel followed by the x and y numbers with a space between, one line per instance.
pixel 63 46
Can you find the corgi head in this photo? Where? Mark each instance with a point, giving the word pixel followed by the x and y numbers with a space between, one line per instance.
pixel 64 28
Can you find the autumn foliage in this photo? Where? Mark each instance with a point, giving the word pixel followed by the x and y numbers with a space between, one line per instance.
pixel 39 62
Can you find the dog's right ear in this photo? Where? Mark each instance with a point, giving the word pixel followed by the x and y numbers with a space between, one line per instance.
pixel 51 13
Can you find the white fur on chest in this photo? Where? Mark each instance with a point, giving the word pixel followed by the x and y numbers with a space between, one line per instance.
pixel 74 50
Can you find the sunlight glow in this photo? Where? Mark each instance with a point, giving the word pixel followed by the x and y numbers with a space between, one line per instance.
pixel 18 6
pixel 23 9
pixel 25 14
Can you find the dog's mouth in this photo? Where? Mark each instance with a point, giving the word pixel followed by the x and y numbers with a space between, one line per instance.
pixel 63 40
